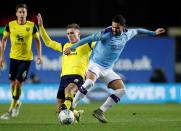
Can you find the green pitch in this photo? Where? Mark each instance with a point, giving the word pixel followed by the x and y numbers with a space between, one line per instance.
pixel 122 117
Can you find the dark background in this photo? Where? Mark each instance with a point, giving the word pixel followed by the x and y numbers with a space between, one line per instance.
pixel 98 13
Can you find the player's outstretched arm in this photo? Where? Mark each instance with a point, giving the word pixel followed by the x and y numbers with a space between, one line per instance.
pixel 94 37
pixel 46 39
pixel 148 32
pixel 83 41
pixel 43 33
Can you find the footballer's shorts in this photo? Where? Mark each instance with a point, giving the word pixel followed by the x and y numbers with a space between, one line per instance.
pixel 65 81
pixel 19 69
pixel 105 75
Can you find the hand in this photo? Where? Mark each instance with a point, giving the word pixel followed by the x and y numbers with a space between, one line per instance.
pixel 40 20
pixel 1 62
pixel 38 61
pixel 67 51
pixel 159 31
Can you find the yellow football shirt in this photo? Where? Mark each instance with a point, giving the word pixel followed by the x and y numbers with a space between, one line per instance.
pixel 74 64
pixel 21 39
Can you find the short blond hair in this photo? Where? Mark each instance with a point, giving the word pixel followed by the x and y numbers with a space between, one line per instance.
pixel 73 25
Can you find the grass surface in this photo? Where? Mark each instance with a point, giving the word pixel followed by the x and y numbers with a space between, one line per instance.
pixel 122 117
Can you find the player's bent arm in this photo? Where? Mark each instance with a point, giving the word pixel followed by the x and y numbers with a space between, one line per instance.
pixel 48 42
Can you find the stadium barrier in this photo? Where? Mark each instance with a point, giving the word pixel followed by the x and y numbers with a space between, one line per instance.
pixel 136 93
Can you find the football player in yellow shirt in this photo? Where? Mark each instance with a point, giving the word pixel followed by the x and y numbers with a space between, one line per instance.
pixel 21 33
pixel 74 66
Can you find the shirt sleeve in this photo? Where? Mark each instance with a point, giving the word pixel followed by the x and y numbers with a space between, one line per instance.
pixel 131 33
pixel 145 31
pixel 93 37
pixel 48 42
pixel 83 41
pixel 35 32
pixel 35 29
pixel 93 44
pixel 6 31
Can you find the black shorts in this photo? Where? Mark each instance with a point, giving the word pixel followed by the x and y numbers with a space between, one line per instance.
pixel 65 81
pixel 19 69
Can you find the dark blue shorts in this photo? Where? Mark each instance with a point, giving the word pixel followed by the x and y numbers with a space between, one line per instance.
pixel 19 69
pixel 65 81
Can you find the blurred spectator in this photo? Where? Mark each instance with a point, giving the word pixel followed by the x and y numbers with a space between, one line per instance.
pixel 33 79
pixel 158 76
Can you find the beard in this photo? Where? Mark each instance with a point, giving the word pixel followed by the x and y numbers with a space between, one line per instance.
pixel 116 33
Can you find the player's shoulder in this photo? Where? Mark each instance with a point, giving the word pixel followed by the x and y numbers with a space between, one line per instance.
pixel 130 30
pixel 66 43
pixel 12 22
pixel 107 30
pixel 30 22
pixel 69 44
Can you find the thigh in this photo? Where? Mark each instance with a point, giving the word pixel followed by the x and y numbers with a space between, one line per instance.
pixel 91 75
pixel 23 70
pixel 60 93
pixel 74 83
pixel 71 81
pixel 72 87
pixel 13 69
pixel 109 75
pixel 116 84
pixel 63 84
pixel 94 71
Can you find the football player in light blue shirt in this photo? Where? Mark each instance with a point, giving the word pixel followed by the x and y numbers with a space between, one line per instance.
pixel 109 45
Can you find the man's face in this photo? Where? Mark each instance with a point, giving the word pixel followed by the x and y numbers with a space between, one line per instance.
pixel 117 28
pixel 21 13
pixel 73 35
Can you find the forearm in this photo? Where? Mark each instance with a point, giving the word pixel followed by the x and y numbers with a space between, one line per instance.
pixel 2 51
pixel 3 46
pixel 82 42
pixel 145 31
pixel 44 35
pixel 38 47
pixel 48 42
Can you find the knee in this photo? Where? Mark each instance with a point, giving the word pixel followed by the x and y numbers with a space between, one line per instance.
pixel 70 88
pixel 13 84
pixel 18 83
pixel 120 92
pixel 67 90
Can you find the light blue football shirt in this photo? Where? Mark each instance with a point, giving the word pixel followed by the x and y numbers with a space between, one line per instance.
pixel 108 46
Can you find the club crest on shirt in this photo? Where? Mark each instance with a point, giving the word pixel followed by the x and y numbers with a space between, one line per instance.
pixel 27 29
